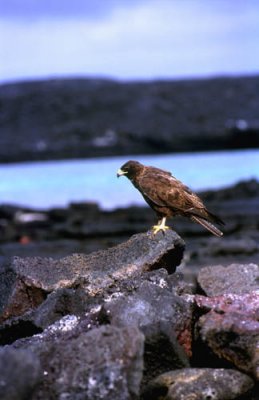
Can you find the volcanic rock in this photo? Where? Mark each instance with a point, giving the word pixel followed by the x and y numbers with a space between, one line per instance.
pixel 199 384
pixel 60 303
pixel 77 118
pixel 103 363
pixel 164 318
pixel 231 329
pixel 104 325
pixel 20 373
pixel 235 278
pixel 26 282
pixel 75 301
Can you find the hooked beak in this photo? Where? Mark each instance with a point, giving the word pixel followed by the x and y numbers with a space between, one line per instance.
pixel 120 173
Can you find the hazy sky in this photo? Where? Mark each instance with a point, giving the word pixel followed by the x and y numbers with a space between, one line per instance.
pixel 128 39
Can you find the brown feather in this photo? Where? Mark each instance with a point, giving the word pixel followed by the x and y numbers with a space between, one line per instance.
pixel 168 196
pixel 208 225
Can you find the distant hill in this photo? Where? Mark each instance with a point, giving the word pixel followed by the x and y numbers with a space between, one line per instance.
pixel 72 118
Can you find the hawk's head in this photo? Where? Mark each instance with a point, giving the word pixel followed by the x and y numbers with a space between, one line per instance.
pixel 130 169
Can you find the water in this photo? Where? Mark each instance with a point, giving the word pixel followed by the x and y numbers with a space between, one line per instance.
pixel 57 183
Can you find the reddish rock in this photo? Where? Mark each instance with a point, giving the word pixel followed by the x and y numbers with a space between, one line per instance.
pixel 246 304
pixel 231 329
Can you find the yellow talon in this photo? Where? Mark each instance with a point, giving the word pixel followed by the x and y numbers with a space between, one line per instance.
pixel 160 227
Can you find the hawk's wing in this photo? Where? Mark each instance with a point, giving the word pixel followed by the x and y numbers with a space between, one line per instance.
pixel 163 189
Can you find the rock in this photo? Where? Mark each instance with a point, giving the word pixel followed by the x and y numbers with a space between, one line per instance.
pixel 246 305
pixel 163 317
pixel 103 363
pixel 17 294
pixel 20 373
pixel 235 246
pixel 224 252
pixel 235 278
pixel 68 327
pixel 153 309
pixel 60 303
pixel 76 302
pixel 242 190
pixel 231 329
pixel 17 328
pixel 199 384
pixel 25 283
pixel 78 118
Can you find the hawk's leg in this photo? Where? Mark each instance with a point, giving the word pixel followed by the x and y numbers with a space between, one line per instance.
pixel 161 226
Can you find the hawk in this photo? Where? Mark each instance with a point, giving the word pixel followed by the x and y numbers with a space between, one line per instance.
pixel 168 196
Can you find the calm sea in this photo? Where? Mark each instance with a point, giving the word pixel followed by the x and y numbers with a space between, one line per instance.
pixel 57 183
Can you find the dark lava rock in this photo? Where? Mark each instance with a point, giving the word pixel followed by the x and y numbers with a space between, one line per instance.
pixel 75 118
pixel 230 249
pixel 235 278
pixel 60 303
pixel 199 384
pixel 154 309
pixel 231 329
pixel 75 301
pixel 103 325
pixel 20 373
pixel 25 283
pixel 242 190
pixel 104 363
pixel 164 318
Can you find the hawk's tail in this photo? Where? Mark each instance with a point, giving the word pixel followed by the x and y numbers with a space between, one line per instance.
pixel 208 225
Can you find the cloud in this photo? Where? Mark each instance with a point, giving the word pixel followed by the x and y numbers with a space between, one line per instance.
pixel 144 40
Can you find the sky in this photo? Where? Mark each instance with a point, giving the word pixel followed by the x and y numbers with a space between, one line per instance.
pixel 128 39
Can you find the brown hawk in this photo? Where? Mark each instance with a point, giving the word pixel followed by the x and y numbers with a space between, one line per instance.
pixel 168 196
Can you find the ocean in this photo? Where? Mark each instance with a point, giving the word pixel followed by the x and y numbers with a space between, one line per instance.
pixel 49 184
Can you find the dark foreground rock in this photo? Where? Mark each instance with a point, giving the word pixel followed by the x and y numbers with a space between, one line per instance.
pixel 154 309
pixel 231 329
pixel 26 282
pixel 104 363
pixel 199 384
pixel 20 373
pixel 127 323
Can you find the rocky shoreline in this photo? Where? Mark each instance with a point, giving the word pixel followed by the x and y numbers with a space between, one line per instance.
pixel 77 118
pixel 84 227
pixel 88 311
